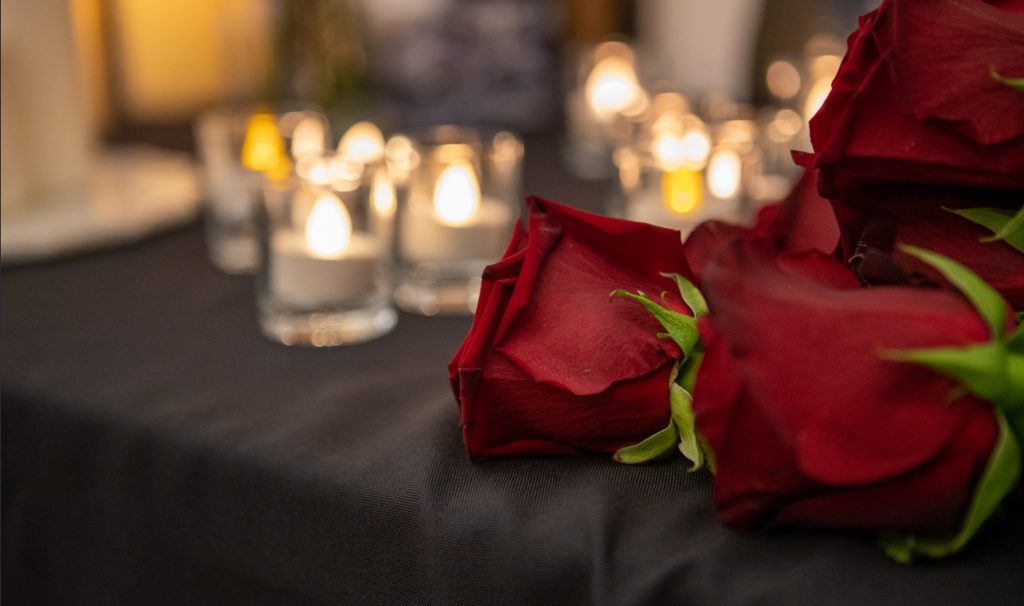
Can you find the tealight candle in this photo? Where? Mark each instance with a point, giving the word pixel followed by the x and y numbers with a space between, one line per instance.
pixel 326 263
pixel 460 206
pixel 238 148
pixel 324 279
pixel 457 222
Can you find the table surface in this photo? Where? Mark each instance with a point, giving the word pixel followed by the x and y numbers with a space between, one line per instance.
pixel 157 450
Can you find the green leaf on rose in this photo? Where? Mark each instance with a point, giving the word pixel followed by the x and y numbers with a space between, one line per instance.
pixel 986 300
pixel 684 419
pixel 981 368
pixel 1017 83
pixel 1001 474
pixel 1005 225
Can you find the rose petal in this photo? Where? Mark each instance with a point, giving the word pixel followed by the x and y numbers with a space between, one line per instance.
pixel 560 326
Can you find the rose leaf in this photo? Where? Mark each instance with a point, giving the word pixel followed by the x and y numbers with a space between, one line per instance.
pixel 1000 476
pixel 1004 224
pixel 986 300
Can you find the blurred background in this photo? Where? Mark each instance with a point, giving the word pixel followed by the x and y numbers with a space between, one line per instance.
pixel 95 91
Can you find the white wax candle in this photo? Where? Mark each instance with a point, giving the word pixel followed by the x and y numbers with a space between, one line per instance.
pixel 304 279
pixel 425 238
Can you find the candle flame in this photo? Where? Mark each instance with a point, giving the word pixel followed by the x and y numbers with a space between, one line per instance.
pixel 612 86
pixel 383 193
pixel 308 139
pixel 329 226
pixel 263 148
pixel 724 174
pixel 682 190
pixel 362 142
pixel 457 194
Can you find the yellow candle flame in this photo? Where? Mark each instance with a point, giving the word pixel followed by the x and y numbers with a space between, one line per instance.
pixel 457 194
pixel 682 190
pixel 329 226
pixel 263 148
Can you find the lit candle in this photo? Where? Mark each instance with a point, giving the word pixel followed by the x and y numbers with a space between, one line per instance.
pixel 263 149
pixel 682 190
pixel 308 139
pixel 458 223
pixel 724 171
pixel 362 142
pixel 612 88
pixel 326 263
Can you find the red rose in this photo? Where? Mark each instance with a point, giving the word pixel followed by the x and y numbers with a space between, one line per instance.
pixel 914 99
pixel 802 221
pixel 808 423
pixel 917 215
pixel 551 365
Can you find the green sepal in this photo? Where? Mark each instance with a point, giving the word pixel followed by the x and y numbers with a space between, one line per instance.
pixel 680 328
pixel 1000 476
pixel 984 369
pixel 681 399
pixel 1017 83
pixel 1005 225
pixel 650 449
pixel 986 300
pixel 691 295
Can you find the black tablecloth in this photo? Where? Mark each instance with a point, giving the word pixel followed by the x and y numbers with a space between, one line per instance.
pixel 157 450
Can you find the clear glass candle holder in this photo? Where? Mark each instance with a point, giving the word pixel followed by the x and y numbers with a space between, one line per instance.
pixel 236 147
pixel 684 173
pixel 459 193
pixel 325 234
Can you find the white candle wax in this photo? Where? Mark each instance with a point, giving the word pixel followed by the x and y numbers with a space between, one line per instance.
pixel 302 278
pixel 425 238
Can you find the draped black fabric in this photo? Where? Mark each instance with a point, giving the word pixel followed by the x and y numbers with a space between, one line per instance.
pixel 156 450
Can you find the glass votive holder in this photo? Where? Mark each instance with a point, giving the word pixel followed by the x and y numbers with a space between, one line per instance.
pixel 602 108
pixel 457 207
pixel 236 147
pixel 681 177
pixel 325 237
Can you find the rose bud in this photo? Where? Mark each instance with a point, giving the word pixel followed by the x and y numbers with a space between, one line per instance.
pixel 551 365
pixel 916 98
pixel 811 423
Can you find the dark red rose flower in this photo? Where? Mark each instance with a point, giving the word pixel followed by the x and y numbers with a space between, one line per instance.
pixel 916 214
pixel 808 423
pixel 551 365
pixel 802 221
pixel 914 99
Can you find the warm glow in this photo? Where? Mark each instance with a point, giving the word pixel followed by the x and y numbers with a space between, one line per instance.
pixel 783 79
pixel 263 149
pixel 382 192
pixel 612 87
pixel 329 227
pixel 308 139
pixel 457 195
pixel 690 150
pixel 816 96
pixel 724 170
pixel 682 190
pixel 784 126
pixel 362 142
